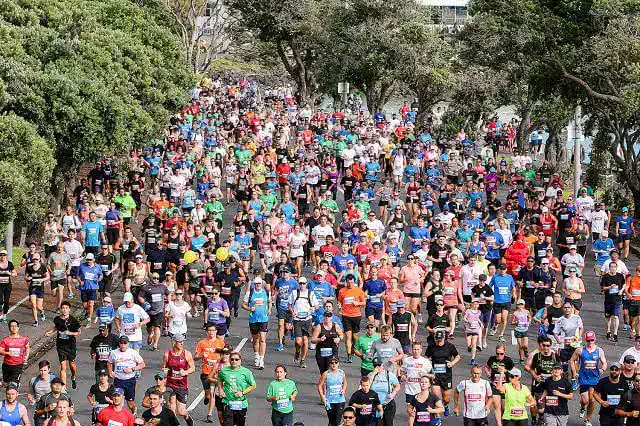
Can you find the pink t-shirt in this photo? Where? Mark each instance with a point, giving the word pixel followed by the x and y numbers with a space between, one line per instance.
pixel 412 278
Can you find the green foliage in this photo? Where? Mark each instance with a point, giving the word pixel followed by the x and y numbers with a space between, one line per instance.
pixel 93 76
pixel 26 165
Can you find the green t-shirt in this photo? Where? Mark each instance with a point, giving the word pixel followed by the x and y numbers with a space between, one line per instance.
pixel 331 205
pixel 243 156
pixel 214 208
pixel 234 381
pixel 515 407
pixel 269 200
pixel 339 147
pixel 363 345
pixel 283 389
pixel 127 204
pixel 363 206
pixel 528 174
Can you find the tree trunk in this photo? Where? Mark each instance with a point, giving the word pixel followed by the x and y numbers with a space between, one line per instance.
pixel 636 203
pixel 523 128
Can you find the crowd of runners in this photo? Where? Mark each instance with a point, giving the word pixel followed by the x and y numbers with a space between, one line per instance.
pixel 353 240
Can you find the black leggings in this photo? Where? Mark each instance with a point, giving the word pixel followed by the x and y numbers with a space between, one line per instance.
pixel 335 414
pixel 234 417
pixel 389 414
pixel 5 295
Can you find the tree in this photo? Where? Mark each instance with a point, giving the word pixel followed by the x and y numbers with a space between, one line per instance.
pixel 26 166
pixel 293 30
pixel 94 77
pixel 203 27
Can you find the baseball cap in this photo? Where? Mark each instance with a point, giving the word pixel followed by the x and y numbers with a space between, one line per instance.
pixel 107 299
pixel 3 252
pixel 302 280
pixel 520 302
pixel 502 266
pixel 328 314
pixel 257 280
pixel 439 335
pixel 590 335
pixel 102 326
pixel 515 372
pixel 629 359
pixel 548 300
pixel 615 365
pixel 139 256
pixel 573 247
pixel 544 261
pixel 123 339
pixel 103 373
pixel 12 385
pixel 482 277
pixel 178 337
pixel 625 209
pixel 128 297
pixel 117 391
pixel 160 375
pixel 89 256
pixel 400 303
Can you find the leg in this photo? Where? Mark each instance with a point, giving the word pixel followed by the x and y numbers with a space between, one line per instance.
pixel 63 371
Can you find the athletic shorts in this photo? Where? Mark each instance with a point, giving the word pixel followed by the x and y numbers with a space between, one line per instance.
pixel 221 329
pixel 156 320
pixel 75 270
pixel 105 284
pixel 351 323
pixel 475 422
pixel 258 327
pixel 67 353
pixel 36 290
pixel 129 387
pixel 444 381
pixel 520 334
pixel 284 314
pixel 112 235
pixel 181 394
pixel 499 307
pixel 302 328
pixel 204 379
pixel 57 283
pixel 612 309
pixel 413 295
pixel 585 388
pixel 376 313
pixel 634 309
pixel 87 295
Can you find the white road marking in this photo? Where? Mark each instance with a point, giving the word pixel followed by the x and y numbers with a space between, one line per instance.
pixel 200 396
pixel 20 302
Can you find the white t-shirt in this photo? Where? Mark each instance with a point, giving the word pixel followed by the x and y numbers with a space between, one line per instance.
pixel 631 351
pixel 297 244
pixel 129 320
pixel 74 249
pixel 320 233
pixel 475 396
pixel 415 368
pixel 598 219
pixel 121 360
pixel 178 324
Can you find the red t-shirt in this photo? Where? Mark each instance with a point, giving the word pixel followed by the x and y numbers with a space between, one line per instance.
pixel 108 416
pixel 16 346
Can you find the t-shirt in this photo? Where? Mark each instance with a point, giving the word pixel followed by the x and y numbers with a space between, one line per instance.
pixel 210 350
pixel 386 350
pixel 129 320
pixel 502 285
pixel 121 360
pixel 102 347
pixel 283 389
pixel 16 347
pixel 369 401
pixel 166 417
pixel 234 380
pixel 610 392
pixel 347 297
pixel 474 396
pixel 62 327
pixel 556 405
pixel 440 356
pixel 110 417
pixel 363 345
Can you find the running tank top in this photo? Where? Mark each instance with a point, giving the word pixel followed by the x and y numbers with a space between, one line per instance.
pixel 333 387
pixel 589 373
pixel 175 363
pixel 327 348
pixel 10 418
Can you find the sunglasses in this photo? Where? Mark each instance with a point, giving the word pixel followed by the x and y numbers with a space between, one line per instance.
pixel 333 362
pixel 630 362
pixel 235 359
pixel 499 353
pixel 348 417
pixel 546 345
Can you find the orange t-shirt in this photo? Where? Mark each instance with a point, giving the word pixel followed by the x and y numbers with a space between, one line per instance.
pixel 391 297
pixel 347 296
pixel 210 353
pixel 634 288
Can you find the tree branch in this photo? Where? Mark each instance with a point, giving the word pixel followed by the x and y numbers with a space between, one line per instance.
pixel 592 93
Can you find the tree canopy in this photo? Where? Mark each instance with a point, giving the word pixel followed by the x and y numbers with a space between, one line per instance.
pixel 88 76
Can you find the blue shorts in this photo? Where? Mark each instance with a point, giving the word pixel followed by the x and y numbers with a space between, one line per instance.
pixel 37 291
pixel 612 309
pixel 87 295
pixel 376 313
pixel 135 344
pixel 129 387
pixel 75 271
pixel 284 314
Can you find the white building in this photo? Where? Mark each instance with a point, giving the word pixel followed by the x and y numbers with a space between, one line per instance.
pixel 448 12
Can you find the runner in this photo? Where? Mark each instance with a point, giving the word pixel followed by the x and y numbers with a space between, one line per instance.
pixel 129 320
pixel 302 303
pixel 59 267
pixel 99 394
pixel 234 383
pixel 209 351
pixel 362 348
pixel 62 416
pixel 586 364
pixel 158 412
pixel 326 336
pixel 67 328
pixel 425 407
pixel 179 364
pixel 497 367
pixel 281 393
pixel 116 411
pixel 124 363
pixel 332 388
pixel 258 302
pixel 556 394
pixel 37 275
pixel 477 397
pixel 384 382
pixel 517 399
pixel 444 356
pixel 45 407
pixel 608 393
pixel 351 298
pixel 15 350
pixel 366 403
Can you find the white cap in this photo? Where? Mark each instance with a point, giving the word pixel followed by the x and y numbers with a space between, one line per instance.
pixel 302 280
pixel 515 372
pixel 545 261
pixel 89 256
pixel 128 297
pixel 548 300
pixel 544 210
pixel 257 280
pixel 520 302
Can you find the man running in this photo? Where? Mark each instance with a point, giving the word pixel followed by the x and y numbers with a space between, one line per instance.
pixel 586 364
pixel 444 356
pixel 352 298
pixel 477 397
pixel 209 351
pixel 302 303
pixel 116 413
pixel 124 363
pixel 179 363
pixel 67 329
pixel 258 303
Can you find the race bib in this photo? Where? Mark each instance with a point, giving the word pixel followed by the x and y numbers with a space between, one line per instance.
pixel 374 299
pixel 503 290
pixel 177 323
pixel 4 280
pixel 613 399
pixel 157 297
pixel 303 314
pixel 283 404
pixel 349 300
pixel 570 240
pixel 114 423
pixel 335 390
pixel 474 397
pixel 542 253
pixel 517 412
pixel 326 352
pixel 423 417
pixel 551 401
pixel 613 289
pixel 225 290
pixel 366 409
pixel 590 365
pixel 402 327
pixel 235 405
pixel 15 351
pixel 90 276
pixel 440 368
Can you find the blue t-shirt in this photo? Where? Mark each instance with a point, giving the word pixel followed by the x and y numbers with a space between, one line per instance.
pixel 90 276
pixel 339 261
pixel 606 246
pixel 502 287
pixel 624 225
pixel 493 253
pixel 418 234
pixel 284 290
pixel 374 289
pixel 92 231
pixel 372 170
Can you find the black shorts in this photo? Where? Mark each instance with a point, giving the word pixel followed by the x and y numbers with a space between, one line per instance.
pixel 499 307
pixel 87 295
pixel 376 313
pixel 57 283
pixel 156 320
pixel 113 234
pixel 475 422
pixel 11 373
pixel 258 327
pixel 204 379
pixel 576 303
pixel 181 394
pixel 105 284
pixel 585 388
pixel 634 309
pixel 284 314
pixel 302 328
pixel 351 324
pixel 67 353
pixel 129 387
pixel 37 291
pixel 75 270
pixel 412 295
pixel 444 381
